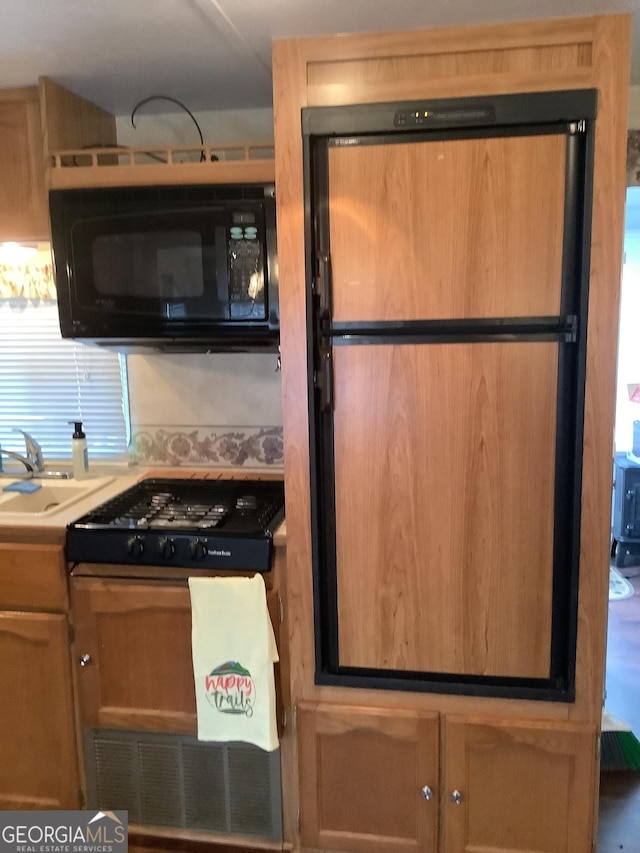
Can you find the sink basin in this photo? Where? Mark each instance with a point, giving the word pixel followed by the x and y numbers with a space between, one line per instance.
pixel 50 498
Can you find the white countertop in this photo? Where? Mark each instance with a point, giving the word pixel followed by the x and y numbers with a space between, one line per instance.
pixel 104 482
pixel 95 489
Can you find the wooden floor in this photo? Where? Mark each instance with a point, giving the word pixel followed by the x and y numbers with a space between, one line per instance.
pixel 619 820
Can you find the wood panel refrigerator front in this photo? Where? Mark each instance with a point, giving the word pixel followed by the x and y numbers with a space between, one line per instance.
pixel 447 450
pixel 444 561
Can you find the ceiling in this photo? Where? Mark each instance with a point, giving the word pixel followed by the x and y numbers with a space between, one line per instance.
pixel 216 54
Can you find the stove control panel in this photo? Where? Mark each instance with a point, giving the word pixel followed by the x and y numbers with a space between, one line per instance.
pixel 178 549
pixel 193 524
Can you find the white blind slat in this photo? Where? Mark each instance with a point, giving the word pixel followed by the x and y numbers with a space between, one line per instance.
pixel 46 381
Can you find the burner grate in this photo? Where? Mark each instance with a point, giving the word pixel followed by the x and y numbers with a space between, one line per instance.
pixel 232 506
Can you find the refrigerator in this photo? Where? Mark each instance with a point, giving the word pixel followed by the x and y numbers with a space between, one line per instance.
pixel 447 270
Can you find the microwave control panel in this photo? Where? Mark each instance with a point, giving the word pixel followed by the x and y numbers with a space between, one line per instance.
pixel 245 256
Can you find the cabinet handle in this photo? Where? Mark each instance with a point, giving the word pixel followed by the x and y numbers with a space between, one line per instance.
pixel 85 659
pixel 427 793
pixel 456 797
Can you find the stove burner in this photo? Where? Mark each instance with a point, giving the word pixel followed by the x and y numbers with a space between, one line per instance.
pixel 246 503
pixel 218 523
pixel 166 514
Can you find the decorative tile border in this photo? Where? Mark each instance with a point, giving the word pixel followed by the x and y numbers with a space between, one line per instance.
pixel 211 446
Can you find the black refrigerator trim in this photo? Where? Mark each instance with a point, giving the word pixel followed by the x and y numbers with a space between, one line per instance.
pixel 563 328
pixel 568 106
pixel 570 113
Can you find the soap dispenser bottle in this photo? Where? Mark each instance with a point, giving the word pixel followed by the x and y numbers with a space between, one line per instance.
pixel 79 456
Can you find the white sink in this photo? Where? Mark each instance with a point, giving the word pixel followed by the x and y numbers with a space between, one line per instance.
pixel 50 498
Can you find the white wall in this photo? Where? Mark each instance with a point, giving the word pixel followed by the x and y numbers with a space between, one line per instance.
pixel 628 369
pixel 178 128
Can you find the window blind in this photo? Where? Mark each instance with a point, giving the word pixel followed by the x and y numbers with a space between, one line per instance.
pixel 46 381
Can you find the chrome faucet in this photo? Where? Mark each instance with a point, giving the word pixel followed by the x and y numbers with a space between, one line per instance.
pixel 34 451
pixel 28 473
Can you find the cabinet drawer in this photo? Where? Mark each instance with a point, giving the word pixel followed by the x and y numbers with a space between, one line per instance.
pixel 33 577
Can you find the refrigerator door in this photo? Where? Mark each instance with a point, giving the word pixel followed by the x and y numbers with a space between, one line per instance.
pixel 452 228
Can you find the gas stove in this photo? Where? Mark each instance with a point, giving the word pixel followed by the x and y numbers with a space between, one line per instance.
pixel 194 524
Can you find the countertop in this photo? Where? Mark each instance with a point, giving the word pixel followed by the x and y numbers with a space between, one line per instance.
pixel 110 480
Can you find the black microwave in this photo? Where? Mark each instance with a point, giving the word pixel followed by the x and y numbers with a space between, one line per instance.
pixel 167 268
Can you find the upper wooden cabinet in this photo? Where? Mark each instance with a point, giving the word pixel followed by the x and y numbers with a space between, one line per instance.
pixel 23 199
pixel 35 121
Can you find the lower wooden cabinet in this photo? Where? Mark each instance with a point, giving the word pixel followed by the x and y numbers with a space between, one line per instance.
pixel 383 779
pixel 137 723
pixel 364 778
pixel 39 767
pixel 132 652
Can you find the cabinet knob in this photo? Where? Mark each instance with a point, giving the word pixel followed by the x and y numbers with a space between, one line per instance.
pixel 456 797
pixel 85 659
pixel 427 793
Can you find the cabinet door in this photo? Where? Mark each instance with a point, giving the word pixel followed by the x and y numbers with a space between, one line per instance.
pixel 139 672
pixel 132 651
pixel 23 199
pixel 525 788
pixel 365 774
pixel 38 769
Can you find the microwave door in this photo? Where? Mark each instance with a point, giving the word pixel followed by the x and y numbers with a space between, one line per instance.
pixel 148 266
pixel 172 268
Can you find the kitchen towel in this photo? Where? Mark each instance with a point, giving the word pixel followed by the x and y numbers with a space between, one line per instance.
pixel 233 649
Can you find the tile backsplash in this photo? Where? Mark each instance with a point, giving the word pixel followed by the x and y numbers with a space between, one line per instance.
pixel 254 447
pixel 214 410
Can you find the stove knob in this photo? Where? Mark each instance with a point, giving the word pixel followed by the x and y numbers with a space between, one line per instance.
pixel 166 548
pixel 198 550
pixel 135 546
